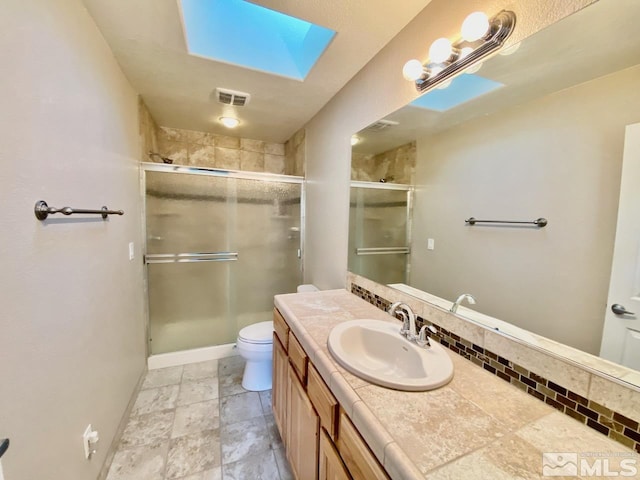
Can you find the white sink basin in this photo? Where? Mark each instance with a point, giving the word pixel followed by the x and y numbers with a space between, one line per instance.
pixel 375 350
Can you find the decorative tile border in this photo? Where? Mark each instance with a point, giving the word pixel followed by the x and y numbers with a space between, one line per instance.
pixel 616 426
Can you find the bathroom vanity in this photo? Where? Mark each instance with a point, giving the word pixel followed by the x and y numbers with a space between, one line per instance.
pixel 335 425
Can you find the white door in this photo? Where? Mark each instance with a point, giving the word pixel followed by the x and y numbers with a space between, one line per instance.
pixel 621 334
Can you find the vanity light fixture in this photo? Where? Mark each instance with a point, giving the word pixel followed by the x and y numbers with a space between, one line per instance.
pixel 480 37
pixel 229 122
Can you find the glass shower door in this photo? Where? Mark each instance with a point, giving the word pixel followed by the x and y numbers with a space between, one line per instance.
pixel 218 249
pixel 379 232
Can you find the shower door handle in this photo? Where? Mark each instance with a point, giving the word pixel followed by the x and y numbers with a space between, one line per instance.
pixel 190 257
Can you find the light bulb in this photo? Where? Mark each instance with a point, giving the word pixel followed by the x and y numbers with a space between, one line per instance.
pixel 355 140
pixel 412 70
pixel 512 49
pixel 475 26
pixel 474 68
pixel 440 50
pixel 464 52
pixel 229 122
pixel 433 71
pixel 445 84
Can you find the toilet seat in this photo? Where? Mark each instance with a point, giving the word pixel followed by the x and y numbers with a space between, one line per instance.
pixel 258 333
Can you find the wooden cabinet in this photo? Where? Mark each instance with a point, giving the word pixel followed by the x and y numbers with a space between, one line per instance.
pixel 361 463
pixel 331 466
pixel 279 389
pixel 302 431
pixel 320 440
pixel 323 401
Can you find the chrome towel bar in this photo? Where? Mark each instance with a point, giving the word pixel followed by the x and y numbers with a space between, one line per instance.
pixel 190 257
pixel 381 250
pixel 539 222
pixel 42 211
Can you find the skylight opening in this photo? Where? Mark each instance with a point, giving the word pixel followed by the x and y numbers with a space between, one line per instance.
pixel 248 35
pixel 463 89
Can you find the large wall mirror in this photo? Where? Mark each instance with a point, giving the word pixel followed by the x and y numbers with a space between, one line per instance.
pixel 540 130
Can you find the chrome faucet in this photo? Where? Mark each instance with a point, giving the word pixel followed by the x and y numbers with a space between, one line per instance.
pixel 423 339
pixel 465 296
pixel 408 319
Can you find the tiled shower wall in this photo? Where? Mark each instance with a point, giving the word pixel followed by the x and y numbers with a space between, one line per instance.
pixel 608 406
pixel 203 149
pixel 395 166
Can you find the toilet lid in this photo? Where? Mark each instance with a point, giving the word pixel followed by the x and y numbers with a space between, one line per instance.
pixel 257 333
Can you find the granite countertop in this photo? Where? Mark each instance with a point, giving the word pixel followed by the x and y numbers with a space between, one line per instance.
pixel 476 427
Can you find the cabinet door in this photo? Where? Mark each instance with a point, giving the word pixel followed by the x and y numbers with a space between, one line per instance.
pixel 303 427
pixel 330 463
pixel 360 461
pixel 279 389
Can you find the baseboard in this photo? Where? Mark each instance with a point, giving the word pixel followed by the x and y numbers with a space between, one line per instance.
pixel 120 430
pixel 183 357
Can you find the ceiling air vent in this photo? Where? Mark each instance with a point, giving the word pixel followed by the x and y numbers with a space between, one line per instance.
pixel 381 125
pixel 232 97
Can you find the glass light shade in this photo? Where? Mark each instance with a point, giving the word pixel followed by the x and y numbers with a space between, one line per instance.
pixel 355 140
pixel 229 122
pixel 512 49
pixel 475 26
pixel 434 71
pixel 464 52
pixel 474 68
pixel 440 50
pixel 412 70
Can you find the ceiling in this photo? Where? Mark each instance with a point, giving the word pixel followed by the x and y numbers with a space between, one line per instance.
pixel 147 40
pixel 584 46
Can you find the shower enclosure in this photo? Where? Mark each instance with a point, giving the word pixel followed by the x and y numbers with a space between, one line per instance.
pixel 380 231
pixel 220 245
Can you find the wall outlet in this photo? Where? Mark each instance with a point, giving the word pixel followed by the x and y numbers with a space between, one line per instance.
pixel 431 244
pixel 132 251
pixel 90 439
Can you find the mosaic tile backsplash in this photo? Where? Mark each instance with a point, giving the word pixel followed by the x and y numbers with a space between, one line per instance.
pixel 602 419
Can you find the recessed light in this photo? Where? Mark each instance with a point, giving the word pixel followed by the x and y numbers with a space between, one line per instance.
pixel 229 122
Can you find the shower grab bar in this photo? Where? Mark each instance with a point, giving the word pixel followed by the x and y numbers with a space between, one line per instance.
pixel 42 211
pixel 538 222
pixel 190 257
pixel 382 250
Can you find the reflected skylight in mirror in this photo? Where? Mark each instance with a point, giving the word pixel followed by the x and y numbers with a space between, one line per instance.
pixel 462 89
pixel 251 36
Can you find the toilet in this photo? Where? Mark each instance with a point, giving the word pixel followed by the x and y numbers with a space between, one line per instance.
pixel 255 345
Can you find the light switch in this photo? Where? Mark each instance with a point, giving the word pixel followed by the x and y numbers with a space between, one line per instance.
pixel 132 252
pixel 431 244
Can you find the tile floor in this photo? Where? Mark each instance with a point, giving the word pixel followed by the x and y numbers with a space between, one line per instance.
pixel 196 422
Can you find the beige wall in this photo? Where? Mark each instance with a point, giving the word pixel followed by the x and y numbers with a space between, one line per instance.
pixel 72 342
pixel 558 157
pixel 376 91
pixel 395 166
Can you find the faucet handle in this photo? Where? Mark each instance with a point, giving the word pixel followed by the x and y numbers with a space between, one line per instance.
pixel 423 339
pixel 404 331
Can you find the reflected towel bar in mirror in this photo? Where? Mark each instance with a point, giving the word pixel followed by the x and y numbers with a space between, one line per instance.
pixel 42 211
pixel 539 222
pixel 381 250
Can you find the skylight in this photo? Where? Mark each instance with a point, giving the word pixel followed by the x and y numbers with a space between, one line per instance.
pixel 463 88
pixel 251 36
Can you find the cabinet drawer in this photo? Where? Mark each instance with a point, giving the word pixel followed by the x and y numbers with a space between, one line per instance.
pixel 281 328
pixel 323 401
pixel 359 460
pixel 298 358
